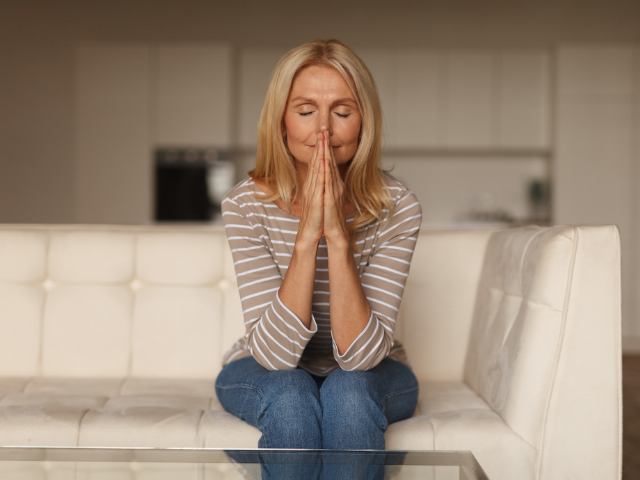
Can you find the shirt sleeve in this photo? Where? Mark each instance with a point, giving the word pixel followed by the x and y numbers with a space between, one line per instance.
pixel 275 335
pixel 383 281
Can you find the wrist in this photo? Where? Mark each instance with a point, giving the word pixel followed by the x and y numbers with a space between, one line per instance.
pixel 305 246
pixel 338 243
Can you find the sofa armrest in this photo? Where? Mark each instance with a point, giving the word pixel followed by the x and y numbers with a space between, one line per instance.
pixel 582 431
pixel 545 345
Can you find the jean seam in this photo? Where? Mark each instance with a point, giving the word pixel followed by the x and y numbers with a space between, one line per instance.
pixel 393 394
pixel 241 385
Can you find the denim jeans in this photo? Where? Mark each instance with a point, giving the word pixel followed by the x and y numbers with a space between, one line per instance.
pixel 347 410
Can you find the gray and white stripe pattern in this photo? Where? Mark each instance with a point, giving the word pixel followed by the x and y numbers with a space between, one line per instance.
pixel 262 237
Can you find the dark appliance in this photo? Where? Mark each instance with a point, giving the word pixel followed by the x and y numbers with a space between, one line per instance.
pixel 183 184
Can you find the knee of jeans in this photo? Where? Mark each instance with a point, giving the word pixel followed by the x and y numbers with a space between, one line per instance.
pixel 351 391
pixel 290 391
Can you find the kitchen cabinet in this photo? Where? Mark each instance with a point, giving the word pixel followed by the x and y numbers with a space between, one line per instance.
pixel 470 106
pixel 383 65
pixel 438 99
pixel 193 95
pixel 524 99
pixel 420 107
pixel 255 68
pixel 592 72
pixel 597 153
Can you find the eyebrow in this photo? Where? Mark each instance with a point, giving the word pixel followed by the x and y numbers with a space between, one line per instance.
pixel 339 100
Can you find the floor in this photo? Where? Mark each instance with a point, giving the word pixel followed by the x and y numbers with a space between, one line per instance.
pixel 631 415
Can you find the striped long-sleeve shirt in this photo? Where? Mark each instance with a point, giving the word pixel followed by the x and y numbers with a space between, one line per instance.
pixel 262 237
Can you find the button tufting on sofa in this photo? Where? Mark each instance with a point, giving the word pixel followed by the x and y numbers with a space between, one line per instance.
pixel 223 284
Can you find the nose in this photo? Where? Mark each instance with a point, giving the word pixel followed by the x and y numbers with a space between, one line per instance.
pixel 324 123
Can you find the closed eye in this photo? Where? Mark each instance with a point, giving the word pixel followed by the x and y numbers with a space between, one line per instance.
pixel 304 114
pixel 343 115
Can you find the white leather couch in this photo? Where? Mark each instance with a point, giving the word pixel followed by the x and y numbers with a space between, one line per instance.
pixel 113 336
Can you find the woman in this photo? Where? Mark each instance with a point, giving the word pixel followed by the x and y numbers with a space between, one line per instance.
pixel 321 240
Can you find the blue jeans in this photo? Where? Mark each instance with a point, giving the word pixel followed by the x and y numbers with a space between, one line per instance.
pixel 294 409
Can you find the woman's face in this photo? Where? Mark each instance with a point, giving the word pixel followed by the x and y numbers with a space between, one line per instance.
pixel 320 99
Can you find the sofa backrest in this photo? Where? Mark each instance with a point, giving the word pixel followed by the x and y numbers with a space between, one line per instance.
pixel 437 306
pixel 114 301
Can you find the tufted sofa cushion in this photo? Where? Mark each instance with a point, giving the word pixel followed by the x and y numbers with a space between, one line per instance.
pixel 125 303
pixel 117 412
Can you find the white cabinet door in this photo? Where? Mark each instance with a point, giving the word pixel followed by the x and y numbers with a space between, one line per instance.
pixel 595 71
pixel 112 158
pixel 420 106
pixel 524 99
pixel 193 95
pixel 470 119
pixel 597 152
pixel 256 67
pixel 382 64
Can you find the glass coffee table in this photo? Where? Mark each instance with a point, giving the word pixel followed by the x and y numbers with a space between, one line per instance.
pixel 57 463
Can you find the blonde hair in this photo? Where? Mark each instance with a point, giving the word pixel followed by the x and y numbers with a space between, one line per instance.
pixel 364 180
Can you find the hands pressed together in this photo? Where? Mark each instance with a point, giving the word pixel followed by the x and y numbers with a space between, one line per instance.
pixel 323 197
pixel 322 212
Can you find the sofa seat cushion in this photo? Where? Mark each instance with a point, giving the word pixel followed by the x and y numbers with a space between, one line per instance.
pixel 191 392
pixel 136 412
pixel 139 412
pixel 451 416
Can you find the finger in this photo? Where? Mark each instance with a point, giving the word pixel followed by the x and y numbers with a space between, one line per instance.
pixel 323 151
pixel 327 148
pixel 331 161
pixel 324 170
pixel 333 166
pixel 328 183
pixel 326 160
pixel 311 181
pixel 315 177
pixel 313 163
